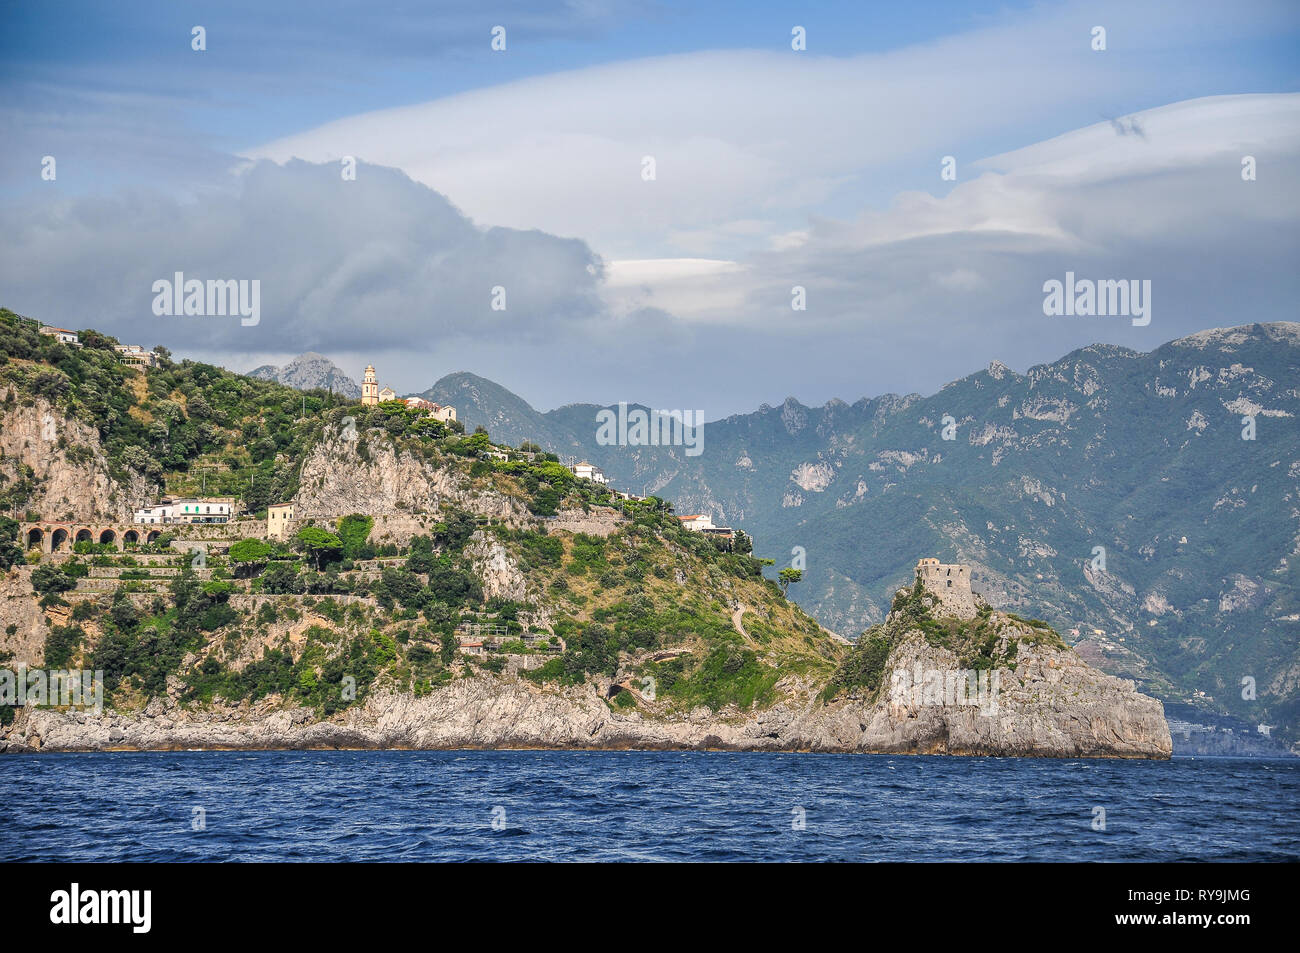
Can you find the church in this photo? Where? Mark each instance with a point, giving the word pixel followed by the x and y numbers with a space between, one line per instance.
pixel 371 395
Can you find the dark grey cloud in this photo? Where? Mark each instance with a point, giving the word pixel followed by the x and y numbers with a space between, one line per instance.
pixel 379 262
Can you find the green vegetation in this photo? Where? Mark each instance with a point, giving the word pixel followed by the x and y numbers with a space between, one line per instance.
pixel 788 576
pixel 328 683
pixel 11 553
pixel 865 666
pixel 251 554
pixel 354 531
pixel 61 646
pixel 318 543
pixel 727 675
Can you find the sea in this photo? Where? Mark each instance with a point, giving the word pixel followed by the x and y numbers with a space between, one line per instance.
pixel 336 806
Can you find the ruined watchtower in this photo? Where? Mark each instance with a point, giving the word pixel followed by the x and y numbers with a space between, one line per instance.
pixel 950 582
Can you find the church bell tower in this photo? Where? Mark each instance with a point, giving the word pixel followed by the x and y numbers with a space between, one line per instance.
pixel 370 386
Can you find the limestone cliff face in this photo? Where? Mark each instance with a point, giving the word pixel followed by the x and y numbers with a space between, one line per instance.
pixel 69 466
pixel 1052 705
pixel 20 608
pixel 499 574
pixel 337 479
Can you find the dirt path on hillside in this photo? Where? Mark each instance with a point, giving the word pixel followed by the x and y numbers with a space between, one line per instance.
pixel 735 620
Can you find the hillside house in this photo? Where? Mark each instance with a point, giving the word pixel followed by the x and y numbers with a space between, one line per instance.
pixel 278 516
pixel 133 355
pixel 702 523
pixel 589 471
pixel 62 334
pixel 190 510
pixel 436 411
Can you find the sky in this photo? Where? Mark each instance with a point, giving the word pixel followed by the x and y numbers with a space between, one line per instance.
pixel 648 201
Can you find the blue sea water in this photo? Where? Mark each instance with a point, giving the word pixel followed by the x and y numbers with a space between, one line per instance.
pixel 613 805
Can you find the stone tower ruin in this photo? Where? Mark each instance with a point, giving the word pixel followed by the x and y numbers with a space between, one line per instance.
pixel 950 583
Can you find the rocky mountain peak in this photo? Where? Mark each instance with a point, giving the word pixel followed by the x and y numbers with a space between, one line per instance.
pixel 310 371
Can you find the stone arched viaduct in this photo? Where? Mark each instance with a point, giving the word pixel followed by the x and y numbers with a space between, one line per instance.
pixel 53 536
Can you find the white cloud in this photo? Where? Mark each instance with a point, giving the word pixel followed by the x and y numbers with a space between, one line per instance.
pixel 1093 197
pixel 903 298
pixel 762 136
pixel 688 288
pixel 773 170
pixel 778 165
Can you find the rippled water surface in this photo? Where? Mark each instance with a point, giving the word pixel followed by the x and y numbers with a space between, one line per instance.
pixel 534 805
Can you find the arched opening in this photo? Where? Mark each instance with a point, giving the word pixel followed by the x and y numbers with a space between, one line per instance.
pixel 108 536
pixel 35 536
pixel 59 540
pixel 130 537
pixel 152 537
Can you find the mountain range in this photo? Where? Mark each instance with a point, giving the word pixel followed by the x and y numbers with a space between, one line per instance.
pixel 1150 501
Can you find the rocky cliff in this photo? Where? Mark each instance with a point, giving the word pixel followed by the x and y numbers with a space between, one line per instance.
pixel 926 700
pixel 344 474
pixel 64 462
pixel 1143 503
pixel 1053 706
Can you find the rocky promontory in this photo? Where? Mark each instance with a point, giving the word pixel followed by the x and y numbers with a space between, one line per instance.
pixel 1051 704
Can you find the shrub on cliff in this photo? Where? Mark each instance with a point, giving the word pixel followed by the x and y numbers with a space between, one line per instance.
pixel 454 532
pixel 11 554
pixel 864 668
pixel 727 675
pixel 48 578
pixel 61 645
pixel 354 531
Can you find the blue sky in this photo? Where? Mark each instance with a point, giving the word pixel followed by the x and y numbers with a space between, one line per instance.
pixel 268 72
pixel 776 168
